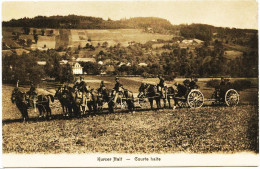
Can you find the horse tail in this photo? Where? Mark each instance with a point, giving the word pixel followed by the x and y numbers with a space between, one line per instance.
pixel 51 96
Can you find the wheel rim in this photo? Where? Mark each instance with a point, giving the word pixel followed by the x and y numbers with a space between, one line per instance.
pixel 195 99
pixel 231 97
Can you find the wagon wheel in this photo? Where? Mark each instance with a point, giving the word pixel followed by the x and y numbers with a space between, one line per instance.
pixel 231 97
pixel 195 99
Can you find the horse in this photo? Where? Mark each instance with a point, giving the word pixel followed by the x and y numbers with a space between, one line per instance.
pixel 65 100
pixel 91 101
pixel 128 96
pixel 43 105
pixel 105 96
pixel 150 91
pixel 19 98
pixel 169 94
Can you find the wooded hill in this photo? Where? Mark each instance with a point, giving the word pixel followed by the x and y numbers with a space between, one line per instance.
pixel 158 25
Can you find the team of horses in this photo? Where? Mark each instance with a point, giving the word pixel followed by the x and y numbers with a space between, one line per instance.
pixel 71 100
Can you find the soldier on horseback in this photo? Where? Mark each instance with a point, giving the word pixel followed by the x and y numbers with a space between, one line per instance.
pixel 161 85
pixel 81 90
pixel 116 88
pixel 102 87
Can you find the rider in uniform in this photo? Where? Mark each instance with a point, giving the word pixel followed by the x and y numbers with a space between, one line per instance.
pixel 116 88
pixel 142 89
pixel 182 90
pixel 82 87
pixel 193 84
pixel 32 94
pixel 161 85
pixel 102 87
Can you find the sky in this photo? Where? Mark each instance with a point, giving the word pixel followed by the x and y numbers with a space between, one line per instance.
pixel 225 13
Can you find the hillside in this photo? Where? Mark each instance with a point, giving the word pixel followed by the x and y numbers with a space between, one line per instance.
pixel 158 25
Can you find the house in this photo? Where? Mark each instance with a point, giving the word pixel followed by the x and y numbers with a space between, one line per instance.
pixel 100 63
pixel 21 51
pixel 77 69
pixel 197 41
pixel 93 60
pixel 142 64
pixel 41 63
pixel 63 62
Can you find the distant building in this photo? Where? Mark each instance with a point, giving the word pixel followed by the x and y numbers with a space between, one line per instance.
pixel 100 63
pixel 63 62
pixel 77 69
pixel 142 64
pixel 93 60
pixel 21 51
pixel 41 63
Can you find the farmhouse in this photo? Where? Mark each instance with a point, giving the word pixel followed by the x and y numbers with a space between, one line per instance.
pixel 41 63
pixel 143 64
pixel 77 69
pixel 93 60
pixel 21 51
pixel 100 63
pixel 63 62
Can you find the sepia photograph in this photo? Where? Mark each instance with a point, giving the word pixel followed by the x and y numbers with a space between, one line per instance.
pixel 130 83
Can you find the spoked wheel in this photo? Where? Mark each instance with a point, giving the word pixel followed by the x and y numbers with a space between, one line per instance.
pixel 195 99
pixel 231 97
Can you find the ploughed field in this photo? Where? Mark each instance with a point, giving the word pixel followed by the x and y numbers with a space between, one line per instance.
pixel 204 130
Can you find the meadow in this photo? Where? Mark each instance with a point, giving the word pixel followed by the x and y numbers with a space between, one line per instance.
pixel 210 129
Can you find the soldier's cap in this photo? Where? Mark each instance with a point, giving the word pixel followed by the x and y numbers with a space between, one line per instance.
pixel 116 78
pixel 176 83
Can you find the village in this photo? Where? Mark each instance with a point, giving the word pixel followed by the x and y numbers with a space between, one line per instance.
pixel 86 46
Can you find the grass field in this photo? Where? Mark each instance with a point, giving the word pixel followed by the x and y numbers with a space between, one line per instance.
pixel 205 130
pixel 75 37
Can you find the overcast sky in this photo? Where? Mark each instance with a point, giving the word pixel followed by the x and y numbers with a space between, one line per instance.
pixel 232 13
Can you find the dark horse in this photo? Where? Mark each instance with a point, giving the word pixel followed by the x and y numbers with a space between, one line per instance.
pixel 127 96
pixel 104 96
pixel 150 91
pixel 65 100
pixel 43 105
pixel 19 98
pixel 24 102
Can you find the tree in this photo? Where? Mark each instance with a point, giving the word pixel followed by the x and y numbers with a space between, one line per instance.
pixel 57 72
pixel 35 38
pixel 67 74
pixel 43 32
pixel 29 42
pixel 90 68
pixel 51 32
pixel 26 30
pixel 104 44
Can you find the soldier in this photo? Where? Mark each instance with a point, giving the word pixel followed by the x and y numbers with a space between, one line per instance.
pixel 186 83
pixel 32 90
pixel 193 84
pixel 181 89
pixel 102 87
pixel 142 89
pixel 116 88
pixel 161 85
